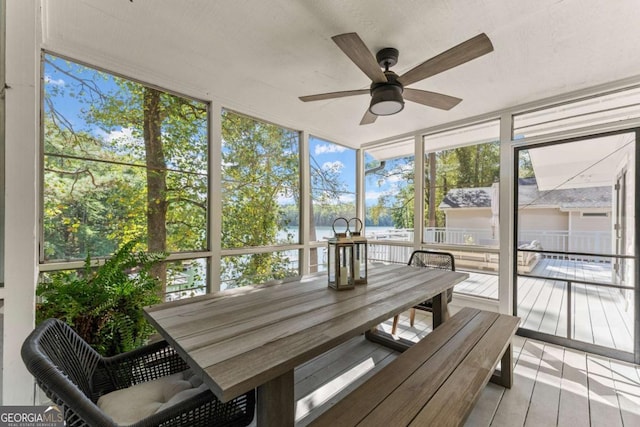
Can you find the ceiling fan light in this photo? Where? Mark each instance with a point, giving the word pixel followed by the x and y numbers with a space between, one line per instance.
pixel 386 100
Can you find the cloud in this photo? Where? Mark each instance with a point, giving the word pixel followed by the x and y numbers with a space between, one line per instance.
pixel 347 198
pixel 284 199
pixel 124 134
pixel 329 148
pixel 336 166
pixel 373 195
pixel 48 80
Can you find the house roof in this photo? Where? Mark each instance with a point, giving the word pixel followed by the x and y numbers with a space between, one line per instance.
pixel 530 196
pixel 467 198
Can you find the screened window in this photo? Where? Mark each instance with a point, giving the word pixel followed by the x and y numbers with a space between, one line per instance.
pixel 121 161
pixel 462 170
pixel 260 196
pixel 333 180
pixel 461 211
pixel 389 195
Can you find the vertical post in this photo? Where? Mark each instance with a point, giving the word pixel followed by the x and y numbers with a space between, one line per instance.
pixel 22 178
pixel 569 317
pixel 305 220
pixel 506 218
pixel 418 195
pixel 215 202
pixel 360 201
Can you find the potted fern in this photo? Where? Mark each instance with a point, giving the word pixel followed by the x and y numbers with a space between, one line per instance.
pixel 104 304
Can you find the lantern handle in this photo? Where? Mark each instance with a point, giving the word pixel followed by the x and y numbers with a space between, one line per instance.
pixel 333 226
pixel 357 230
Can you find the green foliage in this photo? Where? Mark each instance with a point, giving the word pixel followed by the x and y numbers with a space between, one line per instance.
pixel 464 167
pixel 261 167
pixel 95 164
pixel 104 304
pixel 525 168
pixel 394 207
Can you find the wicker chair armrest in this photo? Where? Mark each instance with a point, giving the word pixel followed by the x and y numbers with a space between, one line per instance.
pixel 202 409
pixel 144 364
pixel 61 390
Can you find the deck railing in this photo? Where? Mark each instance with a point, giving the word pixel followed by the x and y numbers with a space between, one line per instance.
pixel 550 240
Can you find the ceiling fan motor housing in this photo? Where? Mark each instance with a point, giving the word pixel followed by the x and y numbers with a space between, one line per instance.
pixel 386 98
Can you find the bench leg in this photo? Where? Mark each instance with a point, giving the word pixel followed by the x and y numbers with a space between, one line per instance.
pixel 504 376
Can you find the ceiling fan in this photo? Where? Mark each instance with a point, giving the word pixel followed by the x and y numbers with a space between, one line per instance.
pixel 388 90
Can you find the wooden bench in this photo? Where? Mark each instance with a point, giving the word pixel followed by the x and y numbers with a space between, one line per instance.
pixel 437 381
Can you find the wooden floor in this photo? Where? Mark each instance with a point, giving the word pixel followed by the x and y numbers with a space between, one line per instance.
pixel 599 315
pixel 553 386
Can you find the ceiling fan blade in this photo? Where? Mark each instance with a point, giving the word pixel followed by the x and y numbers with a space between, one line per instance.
pixel 332 95
pixel 457 55
pixel 353 46
pixel 431 99
pixel 368 118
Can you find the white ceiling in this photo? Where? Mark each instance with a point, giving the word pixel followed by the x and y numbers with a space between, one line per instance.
pixel 258 56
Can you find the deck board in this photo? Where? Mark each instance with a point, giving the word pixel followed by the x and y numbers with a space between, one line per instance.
pixel 600 315
pixel 545 399
pixel 603 401
pixel 573 410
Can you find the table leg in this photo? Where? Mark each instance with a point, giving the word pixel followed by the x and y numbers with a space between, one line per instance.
pixel 440 309
pixel 276 402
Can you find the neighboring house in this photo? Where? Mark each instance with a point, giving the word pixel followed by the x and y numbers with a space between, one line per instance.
pixel 574 220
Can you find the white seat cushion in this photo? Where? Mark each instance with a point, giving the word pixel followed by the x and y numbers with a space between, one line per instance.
pixel 132 404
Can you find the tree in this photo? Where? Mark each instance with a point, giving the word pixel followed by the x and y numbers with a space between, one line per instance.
pixel 397 202
pixel 166 146
pixel 525 169
pixel 123 160
pixel 464 167
pixel 260 166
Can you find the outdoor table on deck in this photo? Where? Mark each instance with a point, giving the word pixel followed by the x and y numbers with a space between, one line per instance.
pixel 254 337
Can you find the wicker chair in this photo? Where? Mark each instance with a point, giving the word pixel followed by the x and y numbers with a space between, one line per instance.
pixel 427 259
pixel 74 376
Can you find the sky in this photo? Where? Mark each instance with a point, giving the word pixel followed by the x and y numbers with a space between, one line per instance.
pixel 326 154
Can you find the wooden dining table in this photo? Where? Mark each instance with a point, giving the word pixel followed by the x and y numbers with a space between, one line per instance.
pixel 254 337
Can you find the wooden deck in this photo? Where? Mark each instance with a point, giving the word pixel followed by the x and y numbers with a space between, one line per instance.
pixel 553 386
pixel 600 315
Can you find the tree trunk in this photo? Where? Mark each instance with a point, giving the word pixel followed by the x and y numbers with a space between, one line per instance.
pixel 156 182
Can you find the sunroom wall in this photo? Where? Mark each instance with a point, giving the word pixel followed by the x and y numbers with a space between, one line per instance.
pixel 24 43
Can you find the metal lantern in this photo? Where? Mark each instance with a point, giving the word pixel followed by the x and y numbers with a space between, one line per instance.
pixel 359 252
pixel 340 259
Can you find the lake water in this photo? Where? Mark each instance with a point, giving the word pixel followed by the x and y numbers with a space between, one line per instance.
pixel 325 232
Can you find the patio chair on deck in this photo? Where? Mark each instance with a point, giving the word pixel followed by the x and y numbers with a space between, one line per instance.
pixel 149 386
pixel 427 259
